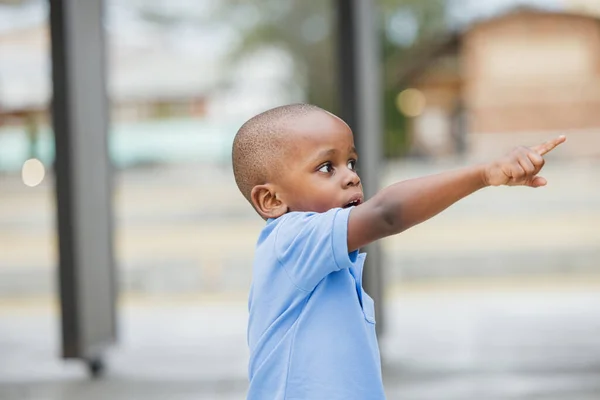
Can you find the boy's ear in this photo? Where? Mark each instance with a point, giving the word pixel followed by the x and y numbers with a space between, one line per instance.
pixel 265 201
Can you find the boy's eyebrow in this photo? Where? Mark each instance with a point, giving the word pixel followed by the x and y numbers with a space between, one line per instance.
pixel 330 152
pixel 325 154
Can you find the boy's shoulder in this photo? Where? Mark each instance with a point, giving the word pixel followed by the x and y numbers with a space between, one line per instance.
pixel 297 221
pixel 307 232
pixel 307 245
pixel 278 228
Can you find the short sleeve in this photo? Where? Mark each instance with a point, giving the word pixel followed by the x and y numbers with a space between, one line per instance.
pixel 312 245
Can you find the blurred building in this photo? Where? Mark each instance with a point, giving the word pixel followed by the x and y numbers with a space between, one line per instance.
pixel 173 89
pixel 515 79
pixel 146 79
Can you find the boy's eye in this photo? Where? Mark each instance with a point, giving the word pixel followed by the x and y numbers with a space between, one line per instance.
pixel 326 168
pixel 352 165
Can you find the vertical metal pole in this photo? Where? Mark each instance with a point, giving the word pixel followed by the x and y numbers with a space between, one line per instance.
pixel 83 184
pixel 360 105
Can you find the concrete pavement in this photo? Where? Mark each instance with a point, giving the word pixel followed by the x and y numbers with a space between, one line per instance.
pixel 482 343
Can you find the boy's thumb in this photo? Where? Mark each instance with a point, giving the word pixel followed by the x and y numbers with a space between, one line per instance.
pixel 538 181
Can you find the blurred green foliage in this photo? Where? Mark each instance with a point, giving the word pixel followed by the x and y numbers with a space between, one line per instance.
pixel 306 30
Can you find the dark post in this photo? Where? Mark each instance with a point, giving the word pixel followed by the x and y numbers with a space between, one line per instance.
pixel 360 105
pixel 83 184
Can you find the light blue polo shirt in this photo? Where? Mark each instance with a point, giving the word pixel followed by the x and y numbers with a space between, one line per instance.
pixel 312 327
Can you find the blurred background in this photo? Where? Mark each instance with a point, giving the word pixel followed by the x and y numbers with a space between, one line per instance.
pixel 497 298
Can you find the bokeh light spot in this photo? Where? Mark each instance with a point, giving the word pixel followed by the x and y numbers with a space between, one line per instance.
pixel 33 172
pixel 411 102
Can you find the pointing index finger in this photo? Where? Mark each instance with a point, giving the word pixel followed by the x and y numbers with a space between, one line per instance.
pixel 548 146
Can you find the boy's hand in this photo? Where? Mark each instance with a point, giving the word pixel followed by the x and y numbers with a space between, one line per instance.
pixel 521 166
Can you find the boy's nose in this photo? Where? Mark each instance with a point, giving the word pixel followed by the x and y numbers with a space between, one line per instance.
pixel 352 179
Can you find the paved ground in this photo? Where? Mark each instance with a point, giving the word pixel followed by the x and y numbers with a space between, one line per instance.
pixel 528 331
pixel 536 343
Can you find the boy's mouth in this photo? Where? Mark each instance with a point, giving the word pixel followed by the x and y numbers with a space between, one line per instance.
pixel 354 202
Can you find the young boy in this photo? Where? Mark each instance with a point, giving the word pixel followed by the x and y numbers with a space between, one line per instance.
pixel 311 330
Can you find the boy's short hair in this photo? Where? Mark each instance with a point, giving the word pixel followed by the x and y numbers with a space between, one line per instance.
pixel 260 143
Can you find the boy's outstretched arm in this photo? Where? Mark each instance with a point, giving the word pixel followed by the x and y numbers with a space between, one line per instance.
pixel 406 204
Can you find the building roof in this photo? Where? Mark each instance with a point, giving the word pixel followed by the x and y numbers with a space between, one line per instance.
pixel 428 53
